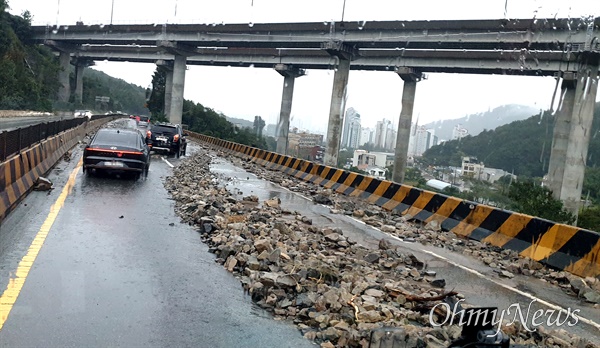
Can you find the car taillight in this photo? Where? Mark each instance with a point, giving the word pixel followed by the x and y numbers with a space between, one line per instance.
pixel 176 137
pixel 148 134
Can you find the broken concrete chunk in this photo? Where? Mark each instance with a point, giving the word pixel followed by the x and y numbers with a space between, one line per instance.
pixel 43 184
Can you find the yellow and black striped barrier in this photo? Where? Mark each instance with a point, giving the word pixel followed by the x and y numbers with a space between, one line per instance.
pixel 557 245
pixel 19 173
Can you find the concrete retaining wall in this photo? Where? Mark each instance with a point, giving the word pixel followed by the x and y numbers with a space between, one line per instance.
pixel 19 173
pixel 557 245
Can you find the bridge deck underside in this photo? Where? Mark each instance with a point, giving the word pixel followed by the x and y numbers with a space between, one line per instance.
pixel 519 47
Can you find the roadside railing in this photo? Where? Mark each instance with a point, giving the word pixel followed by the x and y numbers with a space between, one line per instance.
pixel 16 140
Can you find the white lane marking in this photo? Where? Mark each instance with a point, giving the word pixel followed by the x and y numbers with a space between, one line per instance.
pixel 167 162
pixel 470 270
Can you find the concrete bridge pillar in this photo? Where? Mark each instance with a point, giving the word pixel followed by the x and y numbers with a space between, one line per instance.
pixel 572 134
pixel 283 125
pixel 168 92
pixel 80 65
pixel 560 137
pixel 79 83
pixel 177 88
pixel 410 78
pixel 338 99
pixel 64 87
pixel 344 54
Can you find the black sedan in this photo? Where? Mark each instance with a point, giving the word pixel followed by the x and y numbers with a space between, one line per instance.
pixel 117 150
pixel 167 137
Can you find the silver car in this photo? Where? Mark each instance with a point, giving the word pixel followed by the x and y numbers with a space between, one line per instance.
pixel 144 121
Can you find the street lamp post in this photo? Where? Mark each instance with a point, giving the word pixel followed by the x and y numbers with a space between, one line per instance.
pixel 57 12
pixel 112 8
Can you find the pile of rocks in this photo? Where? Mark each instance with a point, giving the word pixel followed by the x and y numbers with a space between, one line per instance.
pixel 334 290
pixel 506 263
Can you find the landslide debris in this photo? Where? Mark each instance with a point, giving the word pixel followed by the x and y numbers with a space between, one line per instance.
pixel 334 290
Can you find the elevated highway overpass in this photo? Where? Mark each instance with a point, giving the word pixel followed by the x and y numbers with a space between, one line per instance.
pixel 566 48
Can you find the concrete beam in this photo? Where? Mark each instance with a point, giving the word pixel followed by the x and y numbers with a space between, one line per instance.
pixel 541 34
pixel 544 65
pixel 340 49
pixel 410 78
pixel 176 107
pixel 61 46
pixel 338 99
pixel 176 48
pixel 404 53
pixel 283 125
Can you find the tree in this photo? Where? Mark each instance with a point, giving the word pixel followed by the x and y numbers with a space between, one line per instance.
pixel 589 218
pixel 27 72
pixel 356 170
pixel 529 198
pixel 344 157
pixel 451 191
pixel 156 100
pixel 591 183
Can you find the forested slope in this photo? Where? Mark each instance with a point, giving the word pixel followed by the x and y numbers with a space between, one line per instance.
pixel 27 72
pixel 522 146
pixel 29 75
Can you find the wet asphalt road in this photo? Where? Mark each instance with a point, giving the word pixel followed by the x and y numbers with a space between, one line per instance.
pixel 143 280
pixel 102 280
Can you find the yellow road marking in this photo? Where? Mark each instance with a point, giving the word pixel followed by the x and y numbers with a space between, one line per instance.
pixel 16 282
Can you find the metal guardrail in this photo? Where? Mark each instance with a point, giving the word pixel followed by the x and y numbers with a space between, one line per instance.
pixel 16 140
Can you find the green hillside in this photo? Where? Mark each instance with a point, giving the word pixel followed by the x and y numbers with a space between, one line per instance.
pixel 27 72
pixel 522 146
pixel 29 75
pixel 124 96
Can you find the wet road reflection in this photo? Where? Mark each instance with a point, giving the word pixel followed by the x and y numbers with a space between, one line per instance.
pixel 118 269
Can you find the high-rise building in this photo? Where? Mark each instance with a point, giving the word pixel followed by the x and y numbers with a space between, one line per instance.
pixel 351 129
pixel 366 136
pixel 381 132
pixel 421 139
pixel 390 139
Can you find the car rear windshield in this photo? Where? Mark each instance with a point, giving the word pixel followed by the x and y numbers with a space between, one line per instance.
pixel 164 129
pixel 144 118
pixel 121 138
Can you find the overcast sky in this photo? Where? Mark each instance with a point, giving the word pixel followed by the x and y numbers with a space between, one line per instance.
pixel 246 92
